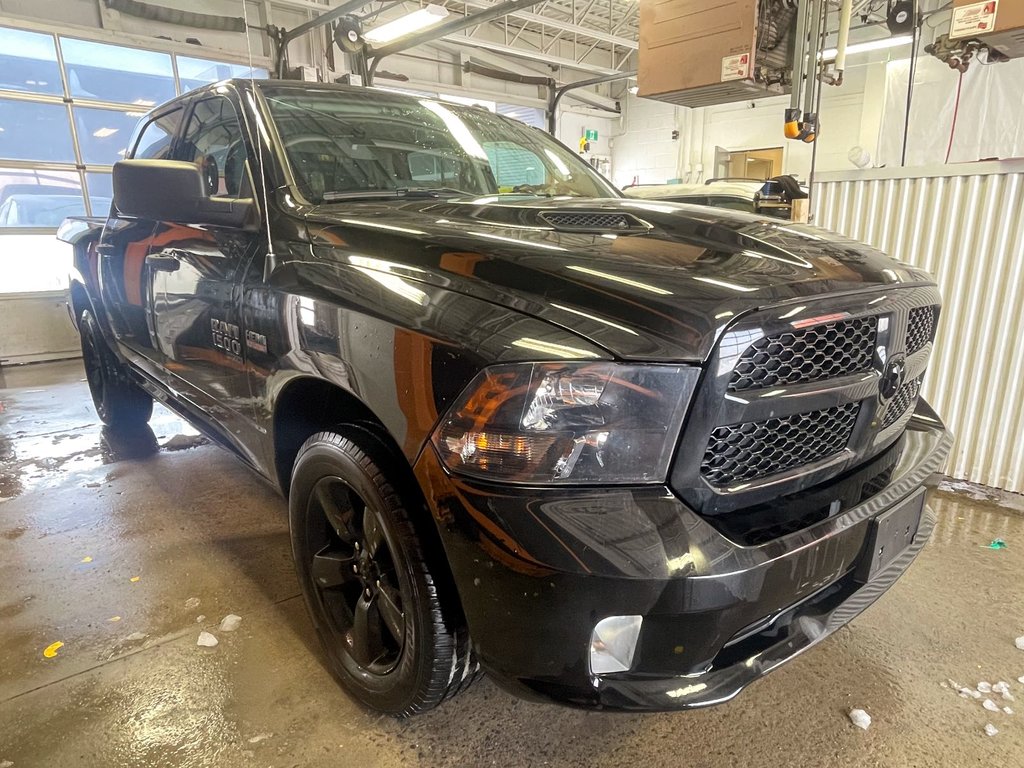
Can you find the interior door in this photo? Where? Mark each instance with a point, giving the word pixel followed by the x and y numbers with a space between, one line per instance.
pixel 126 279
pixel 197 302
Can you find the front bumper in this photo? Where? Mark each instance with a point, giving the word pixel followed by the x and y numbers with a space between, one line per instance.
pixel 536 569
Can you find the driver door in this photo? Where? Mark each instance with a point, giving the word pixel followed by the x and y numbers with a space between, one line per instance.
pixel 197 302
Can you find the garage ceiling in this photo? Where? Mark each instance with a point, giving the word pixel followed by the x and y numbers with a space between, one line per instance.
pixel 594 37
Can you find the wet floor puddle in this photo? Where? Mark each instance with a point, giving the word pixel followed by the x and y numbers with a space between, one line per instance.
pixel 30 459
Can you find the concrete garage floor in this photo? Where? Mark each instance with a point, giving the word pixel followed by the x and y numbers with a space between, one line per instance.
pixel 87 535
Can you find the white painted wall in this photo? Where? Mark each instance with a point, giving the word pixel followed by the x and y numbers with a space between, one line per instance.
pixel 36 327
pixel 645 150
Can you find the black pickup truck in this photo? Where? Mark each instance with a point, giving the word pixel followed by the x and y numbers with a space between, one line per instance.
pixel 616 453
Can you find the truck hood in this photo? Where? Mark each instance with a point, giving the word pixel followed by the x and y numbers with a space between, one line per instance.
pixel 645 280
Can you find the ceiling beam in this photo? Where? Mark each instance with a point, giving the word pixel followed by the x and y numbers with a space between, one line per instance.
pixel 564 26
pixel 530 55
pixel 498 62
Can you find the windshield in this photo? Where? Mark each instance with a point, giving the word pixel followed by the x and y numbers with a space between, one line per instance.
pixel 344 144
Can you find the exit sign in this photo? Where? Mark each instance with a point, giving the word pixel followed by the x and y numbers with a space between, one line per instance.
pixel 590 135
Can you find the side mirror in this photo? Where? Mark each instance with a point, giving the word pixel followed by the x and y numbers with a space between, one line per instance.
pixel 171 190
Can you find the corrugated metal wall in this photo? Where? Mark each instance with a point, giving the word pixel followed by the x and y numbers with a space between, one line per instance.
pixel 968 231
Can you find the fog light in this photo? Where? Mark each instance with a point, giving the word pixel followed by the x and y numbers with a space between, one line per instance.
pixel 613 644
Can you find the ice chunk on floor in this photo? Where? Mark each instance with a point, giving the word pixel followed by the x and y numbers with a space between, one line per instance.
pixel 985 687
pixel 860 718
pixel 206 640
pixel 192 603
pixel 991 730
pixel 990 705
pixel 1019 642
pixel 1007 711
pixel 260 737
pixel 230 622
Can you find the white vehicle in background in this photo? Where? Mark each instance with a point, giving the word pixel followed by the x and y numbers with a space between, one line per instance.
pixel 770 197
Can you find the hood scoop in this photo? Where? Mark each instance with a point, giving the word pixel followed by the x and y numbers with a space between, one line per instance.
pixel 593 221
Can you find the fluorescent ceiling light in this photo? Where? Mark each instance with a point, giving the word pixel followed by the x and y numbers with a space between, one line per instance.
pixel 416 21
pixel 870 45
pixel 103 133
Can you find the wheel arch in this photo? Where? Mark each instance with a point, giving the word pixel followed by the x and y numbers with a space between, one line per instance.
pixel 309 404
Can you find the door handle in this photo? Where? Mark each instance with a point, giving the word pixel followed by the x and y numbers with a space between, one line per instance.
pixel 165 261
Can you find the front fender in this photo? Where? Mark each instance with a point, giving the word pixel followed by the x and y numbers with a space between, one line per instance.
pixel 404 349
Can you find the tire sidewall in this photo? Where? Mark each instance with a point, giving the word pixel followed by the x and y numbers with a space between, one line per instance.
pixel 91 349
pixel 394 691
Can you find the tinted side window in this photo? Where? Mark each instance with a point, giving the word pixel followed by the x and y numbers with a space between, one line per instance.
pixel 158 136
pixel 213 141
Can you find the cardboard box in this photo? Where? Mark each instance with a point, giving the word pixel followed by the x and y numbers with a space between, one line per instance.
pixel 697 46
pixel 999 23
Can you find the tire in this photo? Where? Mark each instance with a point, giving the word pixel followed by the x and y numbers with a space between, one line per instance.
pixel 388 619
pixel 120 402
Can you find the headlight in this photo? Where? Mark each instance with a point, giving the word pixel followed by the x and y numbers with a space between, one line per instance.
pixel 547 423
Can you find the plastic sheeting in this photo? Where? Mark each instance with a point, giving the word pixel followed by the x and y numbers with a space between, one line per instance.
pixel 990 119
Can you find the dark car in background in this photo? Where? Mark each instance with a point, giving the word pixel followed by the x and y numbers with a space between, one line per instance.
pixel 617 453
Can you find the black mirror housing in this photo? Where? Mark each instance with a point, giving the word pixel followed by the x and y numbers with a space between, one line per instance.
pixel 172 190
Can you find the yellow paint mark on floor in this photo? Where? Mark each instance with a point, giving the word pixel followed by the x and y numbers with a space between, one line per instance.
pixel 51 650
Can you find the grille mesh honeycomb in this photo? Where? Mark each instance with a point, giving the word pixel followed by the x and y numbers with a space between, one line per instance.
pixel 905 397
pixel 740 452
pixel 811 354
pixel 920 328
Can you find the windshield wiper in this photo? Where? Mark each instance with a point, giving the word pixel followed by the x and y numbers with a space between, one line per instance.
pixel 401 193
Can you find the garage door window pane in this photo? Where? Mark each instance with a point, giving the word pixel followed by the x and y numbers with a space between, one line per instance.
pixel 529 115
pixel 35 198
pixel 112 73
pixel 193 73
pixel 103 134
pixel 28 62
pixel 101 192
pixel 30 131
pixel 514 166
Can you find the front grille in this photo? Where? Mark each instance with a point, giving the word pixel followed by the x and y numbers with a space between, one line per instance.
pixel 591 221
pixel 905 397
pixel 793 512
pixel 811 354
pixel 740 452
pixel 920 327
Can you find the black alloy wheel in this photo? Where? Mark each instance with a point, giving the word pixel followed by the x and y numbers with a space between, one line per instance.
pixel 354 573
pixel 375 582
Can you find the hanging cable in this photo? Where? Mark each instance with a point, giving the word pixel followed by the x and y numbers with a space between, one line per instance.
pixel 910 84
pixel 269 258
pixel 818 65
pixel 956 112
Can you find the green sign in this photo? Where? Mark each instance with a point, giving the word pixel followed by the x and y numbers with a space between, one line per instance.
pixel 591 135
